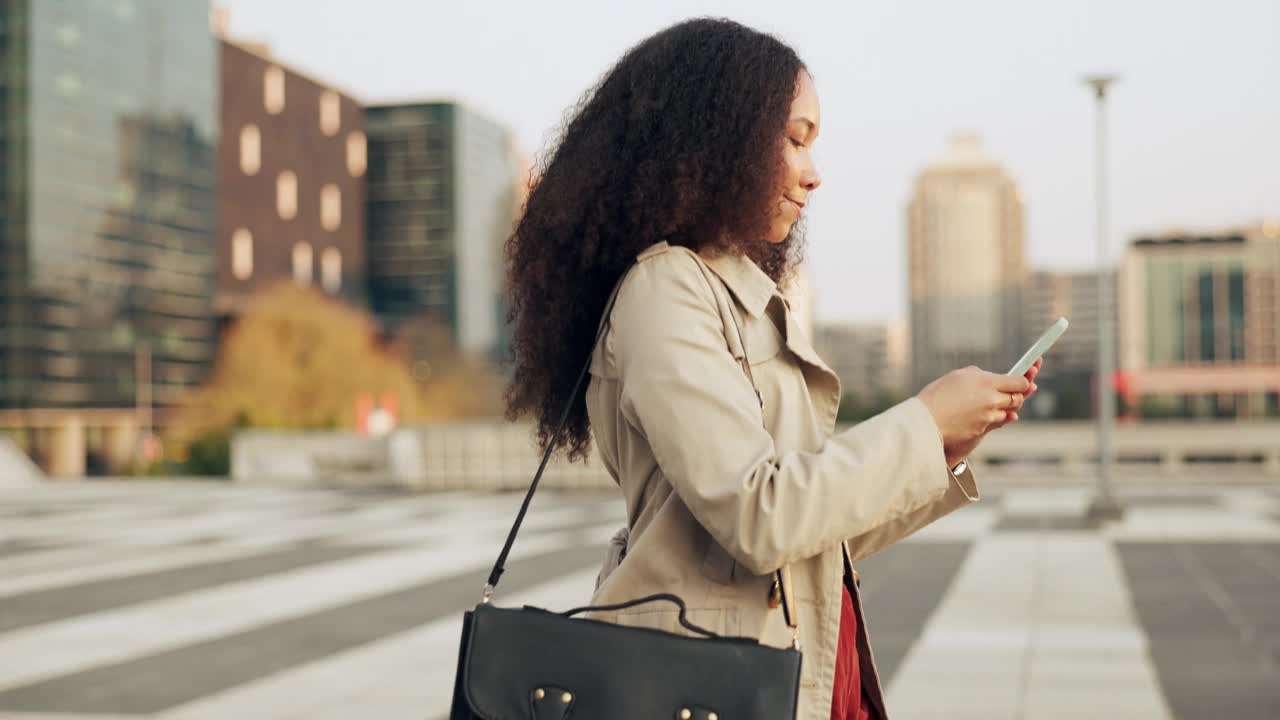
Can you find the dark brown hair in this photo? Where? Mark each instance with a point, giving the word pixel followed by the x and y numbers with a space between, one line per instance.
pixel 680 141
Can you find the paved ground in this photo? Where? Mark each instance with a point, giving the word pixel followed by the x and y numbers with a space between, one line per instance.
pixel 200 601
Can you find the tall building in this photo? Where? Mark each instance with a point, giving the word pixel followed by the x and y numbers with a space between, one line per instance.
pixel 1067 380
pixel 1050 295
pixel 1201 320
pixel 966 264
pixel 108 121
pixel 443 189
pixel 291 199
pixel 859 355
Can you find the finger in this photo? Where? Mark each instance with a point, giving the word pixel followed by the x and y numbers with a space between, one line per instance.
pixel 1006 401
pixel 995 417
pixel 1032 391
pixel 1004 420
pixel 1009 417
pixel 1010 384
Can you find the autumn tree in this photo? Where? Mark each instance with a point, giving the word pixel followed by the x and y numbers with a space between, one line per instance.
pixel 297 359
pixel 454 384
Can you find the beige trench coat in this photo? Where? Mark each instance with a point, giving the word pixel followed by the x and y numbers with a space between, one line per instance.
pixel 717 500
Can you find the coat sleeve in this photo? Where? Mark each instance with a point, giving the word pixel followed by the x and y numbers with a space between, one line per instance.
pixel 683 390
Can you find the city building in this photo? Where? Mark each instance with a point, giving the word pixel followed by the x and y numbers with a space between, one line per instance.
pixel 1201 322
pixel 444 184
pixel 1050 295
pixel 1067 380
pixel 108 122
pixel 291 168
pixel 859 355
pixel 966 265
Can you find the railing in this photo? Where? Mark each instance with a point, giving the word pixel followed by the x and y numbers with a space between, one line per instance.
pixel 497 456
pixel 1166 448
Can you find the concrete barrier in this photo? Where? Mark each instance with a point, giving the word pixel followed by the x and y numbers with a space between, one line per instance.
pixel 1168 448
pixel 499 456
pixel 16 469
pixel 283 457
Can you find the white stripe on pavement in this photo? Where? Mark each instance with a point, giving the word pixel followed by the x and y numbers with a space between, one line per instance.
pixel 115 636
pixel 1036 626
pixel 409 675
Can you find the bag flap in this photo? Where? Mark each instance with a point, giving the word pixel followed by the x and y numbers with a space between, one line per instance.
pixel 589 669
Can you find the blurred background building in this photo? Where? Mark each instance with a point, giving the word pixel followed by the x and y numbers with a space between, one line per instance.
pixel 291 165
pixel 966 266
pixel 1068 375
pixel 443 192
pixel 108 122
pixel 1201 322
pixel 859 355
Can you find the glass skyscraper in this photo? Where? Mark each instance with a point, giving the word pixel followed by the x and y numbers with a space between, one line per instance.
pixel 108 121
pixel 443 190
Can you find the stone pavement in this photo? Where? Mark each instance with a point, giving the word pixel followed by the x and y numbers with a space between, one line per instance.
pixel 200 600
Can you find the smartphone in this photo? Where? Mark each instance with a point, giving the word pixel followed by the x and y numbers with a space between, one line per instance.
pixel 1040 347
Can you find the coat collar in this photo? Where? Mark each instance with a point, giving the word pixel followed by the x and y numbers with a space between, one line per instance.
pixel 753 288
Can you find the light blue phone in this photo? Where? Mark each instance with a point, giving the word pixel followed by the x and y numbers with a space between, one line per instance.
pixel 1040 347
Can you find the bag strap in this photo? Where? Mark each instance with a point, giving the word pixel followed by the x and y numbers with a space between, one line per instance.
pixel 688 624
pixel 500 566
pixel 782 577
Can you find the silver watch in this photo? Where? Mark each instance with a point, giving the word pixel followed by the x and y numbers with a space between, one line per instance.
pixel 959 468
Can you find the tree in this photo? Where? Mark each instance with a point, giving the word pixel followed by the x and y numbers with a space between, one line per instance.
pixel 296 359
pixel 454 384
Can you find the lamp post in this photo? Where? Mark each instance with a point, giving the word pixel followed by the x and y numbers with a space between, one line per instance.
pixel 1103 507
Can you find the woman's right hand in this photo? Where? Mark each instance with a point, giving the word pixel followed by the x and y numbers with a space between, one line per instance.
pixel 969 402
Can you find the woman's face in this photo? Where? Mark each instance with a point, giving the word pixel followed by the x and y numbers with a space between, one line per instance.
pixel 800 175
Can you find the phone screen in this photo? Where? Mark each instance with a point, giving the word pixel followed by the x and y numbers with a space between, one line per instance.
pixel 1040 347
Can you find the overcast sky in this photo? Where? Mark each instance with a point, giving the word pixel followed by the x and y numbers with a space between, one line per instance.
pixel 1194 123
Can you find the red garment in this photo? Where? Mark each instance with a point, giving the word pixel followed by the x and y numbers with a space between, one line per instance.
pixel 848 701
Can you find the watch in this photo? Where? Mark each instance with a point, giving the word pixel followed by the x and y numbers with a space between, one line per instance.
pixel 959 468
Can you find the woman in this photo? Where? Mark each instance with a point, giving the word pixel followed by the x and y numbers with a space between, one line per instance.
pixel 688 167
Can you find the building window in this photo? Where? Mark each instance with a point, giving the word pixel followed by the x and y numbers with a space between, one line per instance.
pixel 330 113
pixel 287 195
pixel 1207 340
pixel 330 207
pixel 302 262
pixel 273 90
pixel 250 149
pixel 357 155
pixel 242 253
pixel 331 269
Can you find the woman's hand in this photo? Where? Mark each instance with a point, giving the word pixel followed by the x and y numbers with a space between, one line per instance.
pixel 968 403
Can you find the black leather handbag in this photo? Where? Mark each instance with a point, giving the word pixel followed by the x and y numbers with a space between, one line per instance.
pixel 530 663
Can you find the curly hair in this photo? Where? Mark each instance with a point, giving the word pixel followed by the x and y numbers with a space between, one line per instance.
pixel 680 141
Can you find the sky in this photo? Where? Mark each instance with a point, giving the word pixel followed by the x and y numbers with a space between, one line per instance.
pixel 1193 125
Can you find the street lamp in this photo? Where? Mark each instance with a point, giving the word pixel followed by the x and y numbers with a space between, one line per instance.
pixel 1103 507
